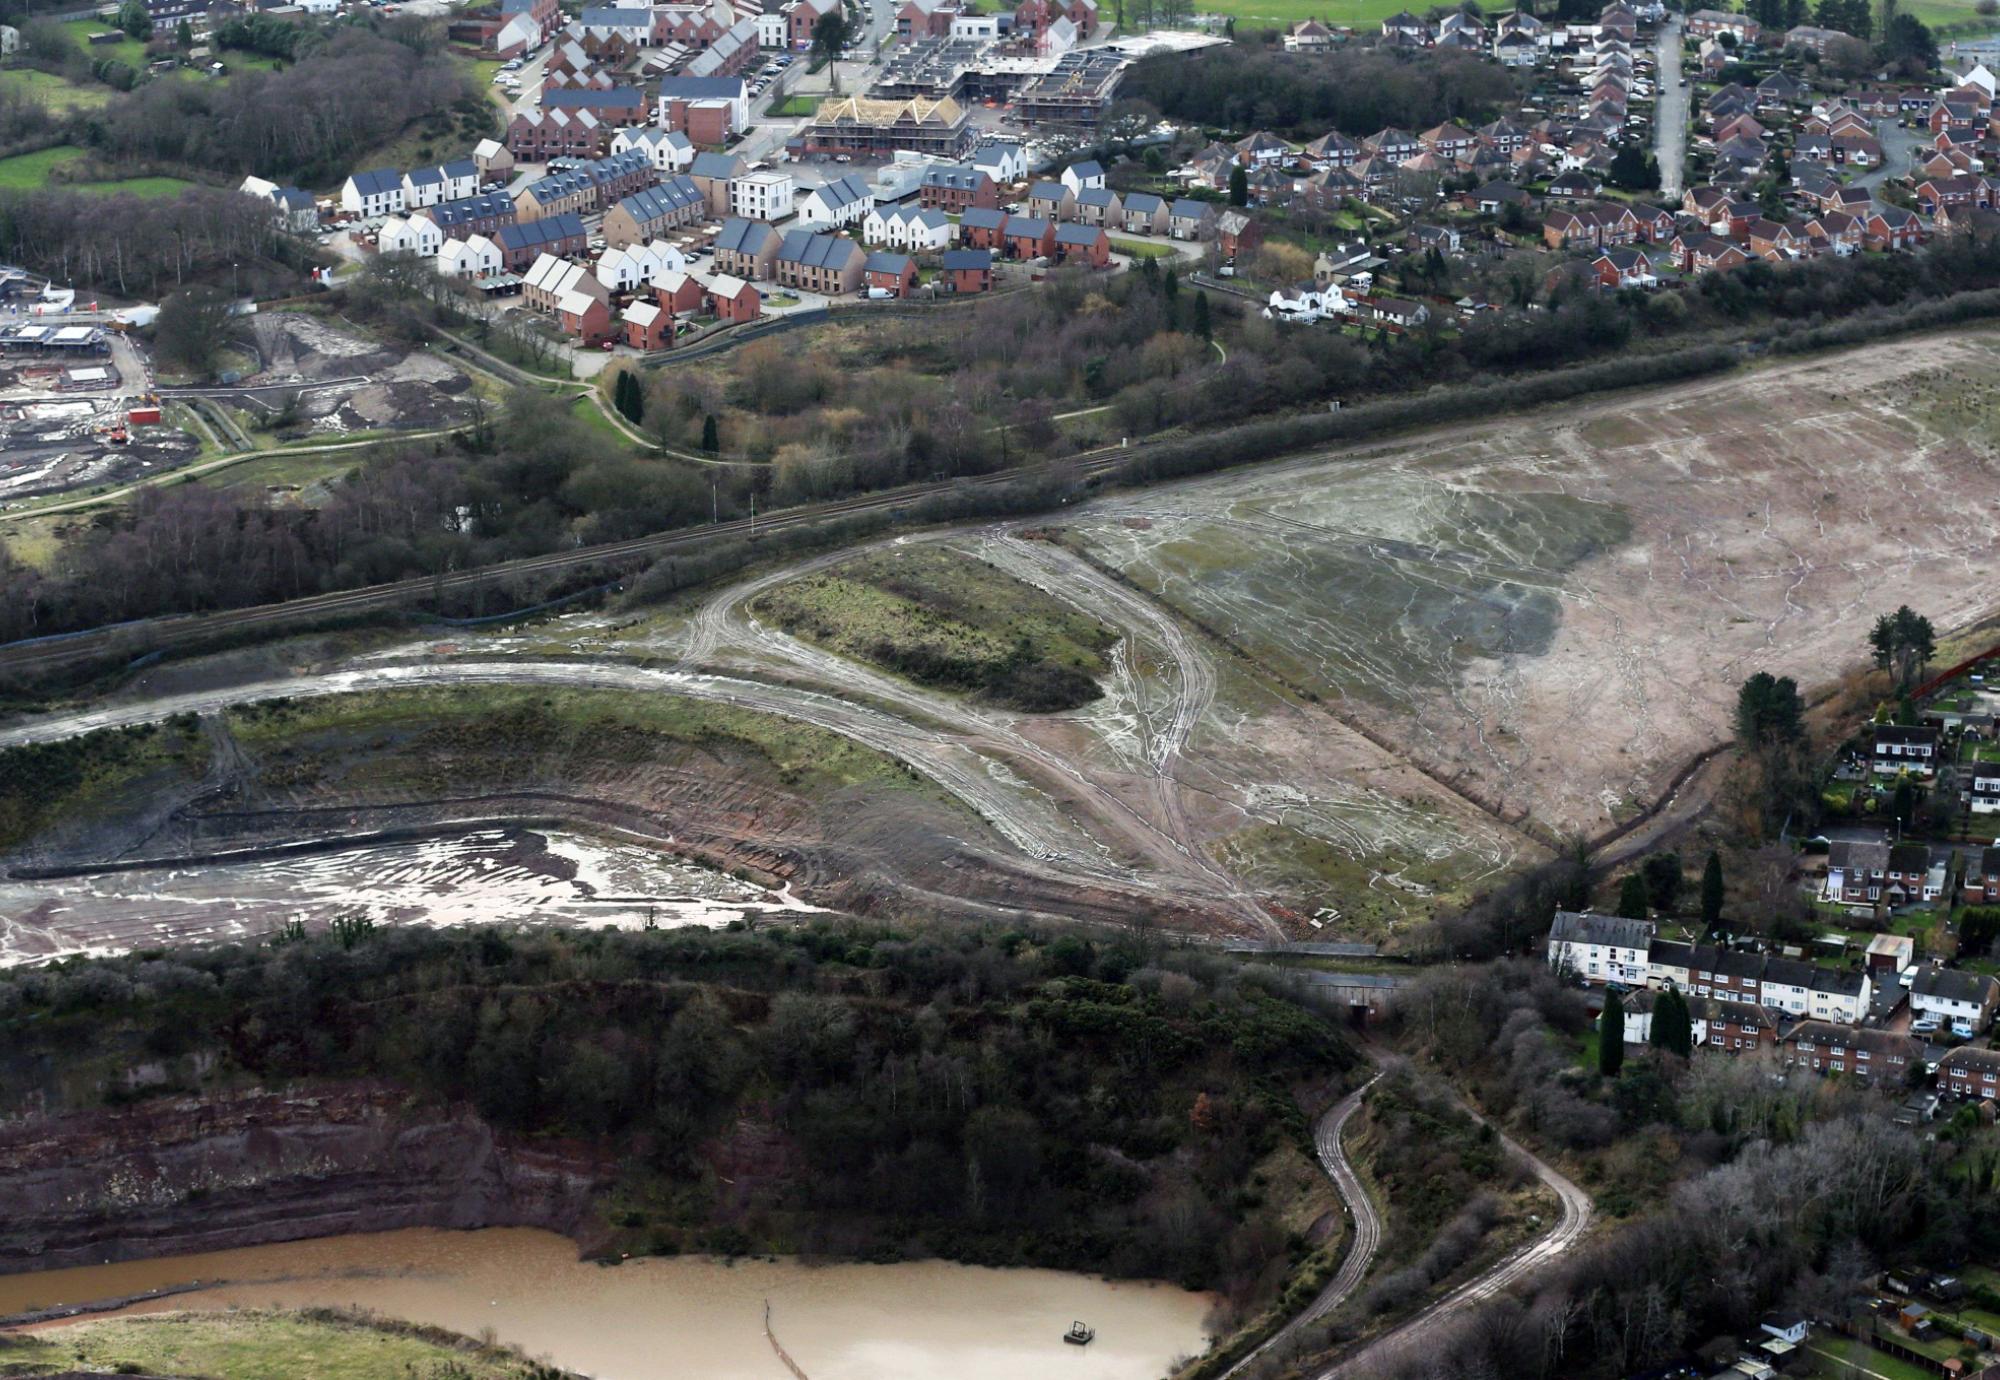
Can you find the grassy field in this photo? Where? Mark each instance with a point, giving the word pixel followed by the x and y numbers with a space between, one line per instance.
pixel 1141 249
pixel 949 621
pixel 57 93
pixel 255 1345
pixel 1279 14
pixel 1831 1358
pixel 137 186
pixel 796 105
pixel 28 171
pixel 127 50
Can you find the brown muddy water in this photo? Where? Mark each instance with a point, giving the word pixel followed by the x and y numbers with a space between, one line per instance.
pixel 693 1317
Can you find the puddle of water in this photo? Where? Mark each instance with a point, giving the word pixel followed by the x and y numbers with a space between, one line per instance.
pixel 482 877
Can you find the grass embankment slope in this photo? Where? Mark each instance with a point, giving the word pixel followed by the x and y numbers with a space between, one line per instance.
pixel 435 740
pixel 48 784
pixel 258 1345
pixel 948 621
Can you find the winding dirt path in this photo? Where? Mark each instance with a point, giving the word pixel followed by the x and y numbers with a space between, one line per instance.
pixel 1516 1265
pixel 1367 1225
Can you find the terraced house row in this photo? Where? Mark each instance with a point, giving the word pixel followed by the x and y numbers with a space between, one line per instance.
pixel 1605 949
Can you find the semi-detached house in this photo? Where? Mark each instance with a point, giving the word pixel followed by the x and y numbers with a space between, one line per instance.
pixel 1962 1001
pixel 826 264
pixel 371 194
pixel 1600 948
pixel 1970 1073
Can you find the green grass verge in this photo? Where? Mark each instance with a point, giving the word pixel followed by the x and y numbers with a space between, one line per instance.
pixel 946 620
pixel 797 105
pixel 256 1345
pixel 1141 249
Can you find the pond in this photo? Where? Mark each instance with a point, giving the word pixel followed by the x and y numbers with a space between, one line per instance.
pixel 692 1316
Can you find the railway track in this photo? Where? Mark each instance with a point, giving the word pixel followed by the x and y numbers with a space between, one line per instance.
pixel 171 631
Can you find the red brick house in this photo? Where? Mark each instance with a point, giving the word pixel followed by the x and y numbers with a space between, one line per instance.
pixel 956 187
pixel 1891 227
pixel 1651 224
pixel 732 299
pixel 966 270
pixel 1237 232
pixel 1771 240
pixel 895 274
pixel 1726 974
pixel 1825 1047
pixel 1969 1072
pixel 1083 244
pixel 584 317
pixel 1735 1026
pixel 679 293
pixel 1982 877
pixel 980 228
pixel 1030 237
pixel 555 134
pixel 1706 254
pixel 1959 117
pixel 648 326
pixel 1935 193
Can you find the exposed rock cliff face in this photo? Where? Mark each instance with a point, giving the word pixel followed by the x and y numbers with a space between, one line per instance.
pixel 180 1175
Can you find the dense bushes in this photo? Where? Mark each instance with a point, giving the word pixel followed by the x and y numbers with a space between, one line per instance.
pixel 305 124
pixel 1007 1097
pixel 1357 92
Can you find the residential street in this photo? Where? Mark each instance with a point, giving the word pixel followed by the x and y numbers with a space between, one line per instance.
pixel 1670 111
pixel 1898 146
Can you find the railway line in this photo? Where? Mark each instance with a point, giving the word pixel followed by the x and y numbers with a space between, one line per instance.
pixel 168 632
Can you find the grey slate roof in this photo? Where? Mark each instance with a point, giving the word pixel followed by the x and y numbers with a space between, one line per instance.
pixel 378 181
pixel 1588 927
pixel 745 236
pixel 722 165
pixel 547 230
pixel 670 197
pixel 805 248
pixel 1950 984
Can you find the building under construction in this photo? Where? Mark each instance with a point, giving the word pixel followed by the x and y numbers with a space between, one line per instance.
pixel 1075 93
pixel 864 126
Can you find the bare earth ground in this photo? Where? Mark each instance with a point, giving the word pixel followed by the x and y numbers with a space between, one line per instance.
pixel 1554 614
pixel 1349 689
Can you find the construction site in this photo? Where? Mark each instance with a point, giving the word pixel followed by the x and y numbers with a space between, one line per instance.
pixel 77 409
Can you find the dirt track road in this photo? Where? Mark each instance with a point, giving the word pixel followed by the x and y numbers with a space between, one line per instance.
pixel 1575 1220
pixel 1367 1225
pixel 983 771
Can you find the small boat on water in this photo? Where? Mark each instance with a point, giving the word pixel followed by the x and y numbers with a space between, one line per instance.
pixel 1079 1335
